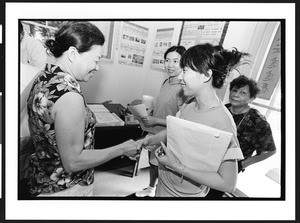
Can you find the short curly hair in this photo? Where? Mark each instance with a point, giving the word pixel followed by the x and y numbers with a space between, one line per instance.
pixel 242 81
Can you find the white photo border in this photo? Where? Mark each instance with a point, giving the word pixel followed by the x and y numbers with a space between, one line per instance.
pixel 131 209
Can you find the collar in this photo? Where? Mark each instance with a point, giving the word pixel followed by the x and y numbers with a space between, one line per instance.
pixel 173 80
pixel 67 77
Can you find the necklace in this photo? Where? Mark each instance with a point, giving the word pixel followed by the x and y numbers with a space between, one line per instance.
pixel 237 127
pixel 202 108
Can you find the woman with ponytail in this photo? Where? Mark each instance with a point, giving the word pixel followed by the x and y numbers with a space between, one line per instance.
pixel 205 68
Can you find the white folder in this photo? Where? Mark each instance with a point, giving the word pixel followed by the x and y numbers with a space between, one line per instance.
pixel 195 145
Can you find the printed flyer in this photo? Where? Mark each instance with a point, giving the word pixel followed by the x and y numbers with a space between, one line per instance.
pixel 195 32
pixel 133 44
pixel 162 42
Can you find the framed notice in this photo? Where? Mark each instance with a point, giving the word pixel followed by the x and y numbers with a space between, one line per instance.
pixel 162 42
pixel 45 29
pixel 133 46
pixel 197 32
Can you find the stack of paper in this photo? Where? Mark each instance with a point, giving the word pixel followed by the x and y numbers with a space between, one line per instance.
pixel 104 117
pixel 195 145
pixel 96 108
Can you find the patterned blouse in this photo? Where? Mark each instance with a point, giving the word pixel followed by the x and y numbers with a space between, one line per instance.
pixel 253 132
pixel 46 172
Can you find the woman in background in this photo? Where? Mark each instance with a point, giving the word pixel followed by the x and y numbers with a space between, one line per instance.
pixel 253 130
pixel 205 68
pixel 61 124
pixel 168 102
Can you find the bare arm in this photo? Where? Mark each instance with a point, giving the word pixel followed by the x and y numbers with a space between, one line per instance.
pixel 257 158
pixel 153 140
pixel 152 121
pixel 224 180
pixel 69 116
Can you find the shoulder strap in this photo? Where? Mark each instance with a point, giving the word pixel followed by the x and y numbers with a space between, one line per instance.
pixel 165 81
pixel 188 101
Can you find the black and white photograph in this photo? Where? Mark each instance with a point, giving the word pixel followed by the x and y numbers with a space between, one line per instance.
pixel 91 126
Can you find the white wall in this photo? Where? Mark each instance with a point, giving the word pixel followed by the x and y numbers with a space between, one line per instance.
pixel 122 84
pixel 253 38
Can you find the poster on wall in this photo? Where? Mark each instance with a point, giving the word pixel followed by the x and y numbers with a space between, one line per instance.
pixel 133 44
pixel 163 41
pixel 197 32
pixel 43 30
pixel 270 74
pixel 107 28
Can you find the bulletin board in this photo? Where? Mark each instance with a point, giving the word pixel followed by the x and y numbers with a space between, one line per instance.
pixel 43 30
pixel 198 32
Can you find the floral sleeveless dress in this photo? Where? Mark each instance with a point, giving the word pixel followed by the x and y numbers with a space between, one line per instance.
pixel 46 172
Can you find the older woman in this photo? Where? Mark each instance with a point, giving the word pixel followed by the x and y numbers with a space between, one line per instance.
pixel 205 68
pixel 61 124
pixel 253 130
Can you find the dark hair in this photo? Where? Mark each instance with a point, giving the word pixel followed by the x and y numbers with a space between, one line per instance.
pixel 81 35
pixel 242 81
pixel 179 49
pixel 204 57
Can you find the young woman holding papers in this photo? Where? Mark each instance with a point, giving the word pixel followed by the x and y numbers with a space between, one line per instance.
pixel 205 68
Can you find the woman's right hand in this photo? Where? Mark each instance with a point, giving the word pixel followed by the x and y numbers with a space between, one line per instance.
pixel 129 148
pixel 142 143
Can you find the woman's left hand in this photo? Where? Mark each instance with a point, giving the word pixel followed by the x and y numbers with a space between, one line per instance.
pixel 166 157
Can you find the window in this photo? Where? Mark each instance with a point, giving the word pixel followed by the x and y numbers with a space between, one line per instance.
pixel 262 179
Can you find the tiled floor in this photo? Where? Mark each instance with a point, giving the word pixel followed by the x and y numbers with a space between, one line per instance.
pixel 116 183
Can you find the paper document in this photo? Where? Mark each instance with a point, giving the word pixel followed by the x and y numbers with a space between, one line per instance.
pixel 195 145
pixel 108 119
pixel 139 111
pixel 104 117
pixel 148 101
pixel 98 108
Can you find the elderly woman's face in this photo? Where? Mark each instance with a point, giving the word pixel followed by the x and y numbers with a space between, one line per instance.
pixel 240 97
pixel 87 63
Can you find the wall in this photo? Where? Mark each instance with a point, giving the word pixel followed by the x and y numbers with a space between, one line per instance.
pixel 239 35
pixel 253 38
pixel 122 84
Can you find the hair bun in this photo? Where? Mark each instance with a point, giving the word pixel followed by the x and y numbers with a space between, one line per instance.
pixel 53 47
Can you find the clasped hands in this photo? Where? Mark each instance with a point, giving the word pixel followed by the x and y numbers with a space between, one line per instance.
pixel 163 154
